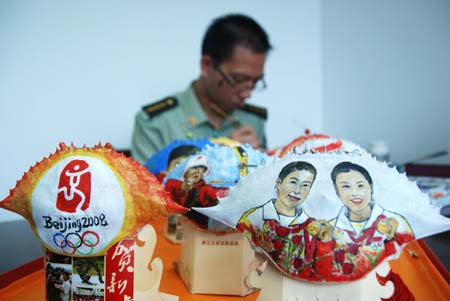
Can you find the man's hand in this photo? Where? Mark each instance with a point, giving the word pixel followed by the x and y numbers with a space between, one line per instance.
pixel 246 134
pixel 326 231
pixel 187 185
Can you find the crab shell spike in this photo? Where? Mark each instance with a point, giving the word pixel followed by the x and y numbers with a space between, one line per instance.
pixel 115 181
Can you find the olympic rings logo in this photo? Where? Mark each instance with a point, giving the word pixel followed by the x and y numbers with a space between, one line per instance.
pixel 74 242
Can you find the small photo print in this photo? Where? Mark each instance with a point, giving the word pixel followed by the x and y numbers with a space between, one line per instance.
pixel 58 281
pixel 88 294
pixel 57 258
pixel 89 271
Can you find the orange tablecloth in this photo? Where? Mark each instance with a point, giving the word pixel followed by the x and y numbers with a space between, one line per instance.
pixel 415 267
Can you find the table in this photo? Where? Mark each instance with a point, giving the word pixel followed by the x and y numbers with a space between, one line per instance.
pixel 418 267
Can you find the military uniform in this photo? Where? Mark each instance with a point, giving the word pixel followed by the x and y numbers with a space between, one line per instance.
pixel 182 117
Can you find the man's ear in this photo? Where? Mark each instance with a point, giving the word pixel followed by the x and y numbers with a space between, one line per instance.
pixel 206 65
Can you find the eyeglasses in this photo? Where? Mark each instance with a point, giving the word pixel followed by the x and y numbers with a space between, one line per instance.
pixel 240 81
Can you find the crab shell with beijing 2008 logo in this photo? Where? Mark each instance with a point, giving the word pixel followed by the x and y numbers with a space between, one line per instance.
pixel 81 201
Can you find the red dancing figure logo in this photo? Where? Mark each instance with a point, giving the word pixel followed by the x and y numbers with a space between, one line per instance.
pixel 74 189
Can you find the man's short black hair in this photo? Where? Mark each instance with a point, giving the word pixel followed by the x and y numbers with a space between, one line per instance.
pixel 297 165
pixel 184 150
pixel 227 31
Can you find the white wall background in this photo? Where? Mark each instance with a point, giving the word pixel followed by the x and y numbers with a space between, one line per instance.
pixel 386 74
pixel 78 71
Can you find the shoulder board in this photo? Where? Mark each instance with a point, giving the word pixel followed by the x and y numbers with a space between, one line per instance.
pixel 158 107
pixel 259 111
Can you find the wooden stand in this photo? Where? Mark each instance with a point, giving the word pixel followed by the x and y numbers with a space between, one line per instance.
pixel 276 286
pixel 146 280
pixel 215 262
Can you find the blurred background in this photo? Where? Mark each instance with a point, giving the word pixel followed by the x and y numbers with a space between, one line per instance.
pixel 78 71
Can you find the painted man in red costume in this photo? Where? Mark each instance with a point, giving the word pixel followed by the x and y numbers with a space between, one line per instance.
pixel 298 244
pixel 193 191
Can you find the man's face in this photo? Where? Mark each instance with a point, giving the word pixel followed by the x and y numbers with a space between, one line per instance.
pixel 294 188
pixel 244 66
pixel 194 174
pixel 354 190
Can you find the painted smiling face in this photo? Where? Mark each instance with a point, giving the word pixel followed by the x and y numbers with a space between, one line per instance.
pixel 195 174
pixel 354 190
pixel 293 189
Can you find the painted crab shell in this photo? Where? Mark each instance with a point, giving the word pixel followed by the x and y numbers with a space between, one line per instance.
pixel 320 143
pixel 80 201
pixel 203 178
pixel 328 217
pixel 178 149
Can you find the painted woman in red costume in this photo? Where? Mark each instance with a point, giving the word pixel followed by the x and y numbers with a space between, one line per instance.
pixel 364 233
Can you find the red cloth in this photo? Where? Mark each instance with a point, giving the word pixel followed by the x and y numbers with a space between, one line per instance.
pixel 201 194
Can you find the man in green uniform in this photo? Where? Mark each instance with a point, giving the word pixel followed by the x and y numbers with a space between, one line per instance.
pixel 234 51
